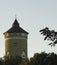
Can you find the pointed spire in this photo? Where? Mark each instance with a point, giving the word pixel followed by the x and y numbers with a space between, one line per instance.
pixel 15 23
pixel 16 28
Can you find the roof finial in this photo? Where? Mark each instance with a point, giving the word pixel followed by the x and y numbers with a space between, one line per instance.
pixel 15 23
pixel 15 16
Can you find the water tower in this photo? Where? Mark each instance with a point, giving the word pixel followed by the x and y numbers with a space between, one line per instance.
pixel 16 41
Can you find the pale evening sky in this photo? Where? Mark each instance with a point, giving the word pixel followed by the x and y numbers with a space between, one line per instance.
pixel 32 15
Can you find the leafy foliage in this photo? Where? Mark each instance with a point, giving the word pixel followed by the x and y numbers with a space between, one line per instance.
pixel 25 62
pixel 12 61
pixel 38 59
pixel 44 59
pixel 49 35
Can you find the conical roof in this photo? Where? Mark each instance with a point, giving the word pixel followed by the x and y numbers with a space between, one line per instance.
pixel 16 28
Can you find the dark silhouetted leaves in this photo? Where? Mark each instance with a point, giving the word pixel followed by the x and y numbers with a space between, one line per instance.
pixel 49 35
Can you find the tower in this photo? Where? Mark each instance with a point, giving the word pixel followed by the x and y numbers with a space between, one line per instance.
pixel 16 41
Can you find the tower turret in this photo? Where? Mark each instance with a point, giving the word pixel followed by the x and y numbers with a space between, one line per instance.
pixel 16 41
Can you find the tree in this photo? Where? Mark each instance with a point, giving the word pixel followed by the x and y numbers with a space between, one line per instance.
pixel 12 60
pixel 44 59
pixel 38 59
pixel 49 35
pixel 1 61
pixel 25 62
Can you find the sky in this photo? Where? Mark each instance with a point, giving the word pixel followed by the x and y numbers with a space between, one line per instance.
pixel 32 15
